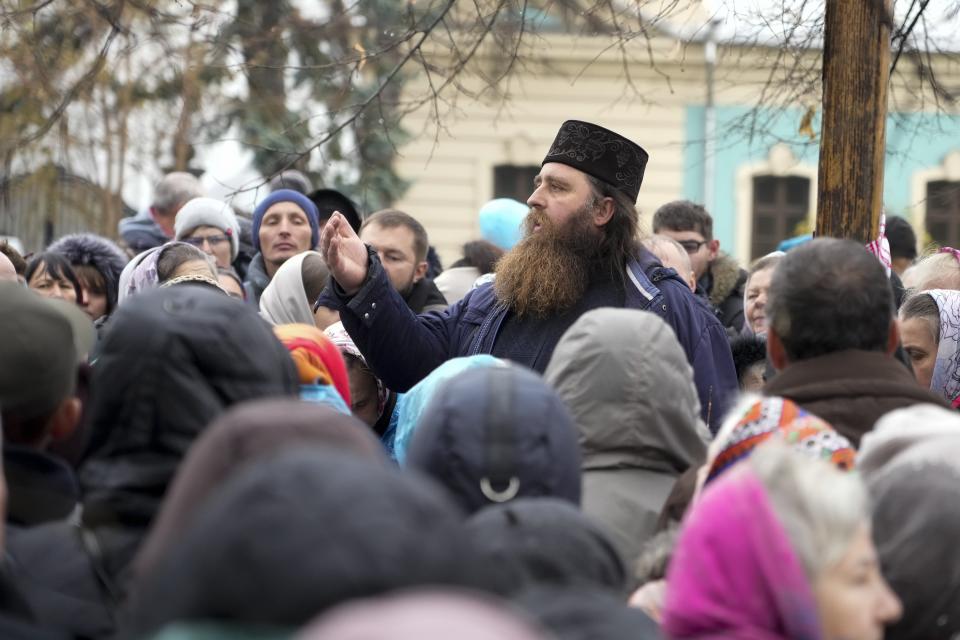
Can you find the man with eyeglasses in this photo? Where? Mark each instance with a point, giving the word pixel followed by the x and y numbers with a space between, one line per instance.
pixel 720 280
pixel 211 226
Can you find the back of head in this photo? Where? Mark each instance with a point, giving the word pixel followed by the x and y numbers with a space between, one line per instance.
pixel 935 271
pixel 19 264
pixel 423 615
pixel 329 201
pixel 827 296
pixel 172 361
pixel 393 218
pixel 630 389
pixel 246 433
pixel 174 190
pixel 174 255
pixel 683 215
pixel 494 434
pixel 39 361
pixel 903 241
pixel 315 275
pixel 547 542
pixel 291 179
pixel 913 483
pixel 481 255
pixel 319 528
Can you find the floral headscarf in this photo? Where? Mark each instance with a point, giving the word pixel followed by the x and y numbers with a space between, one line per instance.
pixel 338 335
pixel 946 372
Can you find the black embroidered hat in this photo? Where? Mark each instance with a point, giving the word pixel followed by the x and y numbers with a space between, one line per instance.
pixel 601 153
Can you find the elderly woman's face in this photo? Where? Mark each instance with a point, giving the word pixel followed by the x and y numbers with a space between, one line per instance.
pixel 755 300
pixel 921 347
pixel 854 601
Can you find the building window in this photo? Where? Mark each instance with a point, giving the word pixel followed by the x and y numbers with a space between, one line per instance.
pixel 943 212
pixel 780 206
pixel 514 181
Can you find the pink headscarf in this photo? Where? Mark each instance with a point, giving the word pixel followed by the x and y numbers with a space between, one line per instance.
pixel 734 573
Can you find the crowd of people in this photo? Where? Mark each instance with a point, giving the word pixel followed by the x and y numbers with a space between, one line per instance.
pixel 296 424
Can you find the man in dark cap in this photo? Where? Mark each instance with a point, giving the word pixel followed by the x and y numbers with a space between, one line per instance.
pixel 580 252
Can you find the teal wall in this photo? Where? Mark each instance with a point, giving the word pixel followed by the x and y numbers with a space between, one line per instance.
pixel 915 141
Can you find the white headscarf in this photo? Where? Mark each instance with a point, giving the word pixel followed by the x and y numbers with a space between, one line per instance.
pixel 284 301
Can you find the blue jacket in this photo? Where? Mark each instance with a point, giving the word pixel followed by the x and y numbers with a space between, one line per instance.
pixel 403 348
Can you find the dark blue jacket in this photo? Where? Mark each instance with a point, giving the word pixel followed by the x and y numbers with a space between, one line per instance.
pixel 402 348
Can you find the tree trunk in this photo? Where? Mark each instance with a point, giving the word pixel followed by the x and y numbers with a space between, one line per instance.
pixel 856 69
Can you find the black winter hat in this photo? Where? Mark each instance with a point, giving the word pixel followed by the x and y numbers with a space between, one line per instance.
pixel 98 252
pixel 601 153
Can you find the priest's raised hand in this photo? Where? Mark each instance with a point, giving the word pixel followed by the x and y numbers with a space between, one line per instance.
pixel 344 253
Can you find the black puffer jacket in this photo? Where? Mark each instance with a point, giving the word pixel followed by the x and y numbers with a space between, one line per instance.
pixel 173 360
pixel 319 527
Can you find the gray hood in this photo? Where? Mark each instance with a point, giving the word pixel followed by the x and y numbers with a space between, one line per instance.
pixel 630 389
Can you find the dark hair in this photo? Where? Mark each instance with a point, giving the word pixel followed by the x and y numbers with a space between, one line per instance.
pixel 392 218
pixel 175 254
pixel 481 255
pixel 922 305
pixel 291 179
pixel 57 266
pixel 314 273
pixel 620 233
pixel 903 241
pixel 683 215
pixel 91 277
pixel 19 264
pixel 827 296
pixel 26 431
pixel 747 351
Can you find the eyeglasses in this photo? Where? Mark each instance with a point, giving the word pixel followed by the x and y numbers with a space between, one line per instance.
pixel 692 246
pixel 213 240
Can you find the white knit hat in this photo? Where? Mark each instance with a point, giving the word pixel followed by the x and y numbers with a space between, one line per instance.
pixel 209 212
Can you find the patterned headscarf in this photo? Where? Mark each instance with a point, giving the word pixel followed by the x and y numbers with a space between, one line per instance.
pixel 139 274
pixel 338 335
pixel 946 372
pixel 781 417
pixel 318 360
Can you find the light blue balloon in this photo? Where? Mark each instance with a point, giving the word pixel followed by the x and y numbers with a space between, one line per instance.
pixel 500 222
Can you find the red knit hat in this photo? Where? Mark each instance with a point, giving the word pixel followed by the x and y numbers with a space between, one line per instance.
pixel 318 360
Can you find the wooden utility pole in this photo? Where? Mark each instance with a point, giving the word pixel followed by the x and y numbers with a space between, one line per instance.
pixel 856 70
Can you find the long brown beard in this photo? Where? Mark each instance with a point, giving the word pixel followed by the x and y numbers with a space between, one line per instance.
pixel 549 270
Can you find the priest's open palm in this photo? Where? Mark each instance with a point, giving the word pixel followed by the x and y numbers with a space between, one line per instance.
pixel 344 253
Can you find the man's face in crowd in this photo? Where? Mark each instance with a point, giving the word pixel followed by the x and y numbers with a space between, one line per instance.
pixel 395 246
pixel 559 193
pixel 701 251
pixel 284 232
pixel 548 271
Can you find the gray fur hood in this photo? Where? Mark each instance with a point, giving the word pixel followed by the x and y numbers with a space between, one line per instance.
pixel 627 383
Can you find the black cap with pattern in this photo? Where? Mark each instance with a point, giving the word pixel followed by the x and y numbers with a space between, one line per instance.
pixel 601 153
